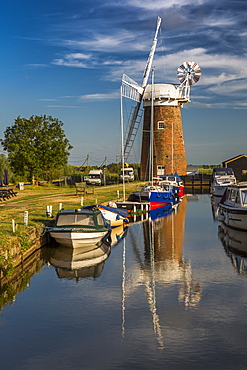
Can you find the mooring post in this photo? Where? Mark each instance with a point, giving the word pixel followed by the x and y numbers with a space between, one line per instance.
pixel 13 226
pixel 25 217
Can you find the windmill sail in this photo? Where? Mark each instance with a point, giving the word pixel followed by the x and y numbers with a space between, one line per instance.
pixel 131 90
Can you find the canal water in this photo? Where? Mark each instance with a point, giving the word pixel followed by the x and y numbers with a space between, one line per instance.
pixel 172 294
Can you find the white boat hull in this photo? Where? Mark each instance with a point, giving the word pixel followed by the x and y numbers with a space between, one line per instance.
pixel 77 239
pixel 233 217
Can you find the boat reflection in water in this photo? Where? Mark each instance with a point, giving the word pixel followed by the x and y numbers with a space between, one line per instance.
pixel 235 245
pixel 83 262
pixel 161 264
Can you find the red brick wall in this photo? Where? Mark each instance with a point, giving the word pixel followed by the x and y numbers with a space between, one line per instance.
pixel 168 142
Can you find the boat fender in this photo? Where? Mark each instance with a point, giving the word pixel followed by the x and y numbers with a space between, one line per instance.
pixel 221 217
pixel 118 217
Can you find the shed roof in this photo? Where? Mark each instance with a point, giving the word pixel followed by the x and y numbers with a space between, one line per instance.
pixel 235 158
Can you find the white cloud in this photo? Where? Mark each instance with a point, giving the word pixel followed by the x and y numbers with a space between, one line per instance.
pixel 78 56
pixel 220 21
pixel 62 106
pixel 94 97
pixel 73 60
pixel 108 43
pixel 160 4
pixel 36 65
pixel 230 88
pixel 47 99
pixel 69 63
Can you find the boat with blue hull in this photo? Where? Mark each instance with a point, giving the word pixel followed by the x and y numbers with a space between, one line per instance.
pixel 157 195
pixel 175 181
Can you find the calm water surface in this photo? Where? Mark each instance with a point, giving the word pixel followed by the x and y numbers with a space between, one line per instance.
pixel 171 295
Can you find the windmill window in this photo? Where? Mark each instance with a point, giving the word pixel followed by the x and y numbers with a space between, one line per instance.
pixel 161 170
pixel 161 125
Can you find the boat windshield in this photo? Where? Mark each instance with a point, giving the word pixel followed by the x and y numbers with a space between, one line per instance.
pixel 244 197
pixel 100 219
pixel 224 173
pixel 171 178
pixel 232 195
pixel 75 219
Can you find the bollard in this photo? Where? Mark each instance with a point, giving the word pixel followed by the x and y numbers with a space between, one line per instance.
pixel 25 217
pixel 118 194
pixel 13 226
pixel 48 211
pixel 82 201
pixel 60 206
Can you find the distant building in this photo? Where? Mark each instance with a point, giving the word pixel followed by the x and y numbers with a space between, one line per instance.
pixel 238 164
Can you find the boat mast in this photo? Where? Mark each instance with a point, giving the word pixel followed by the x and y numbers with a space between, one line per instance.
pixel 151 164
pixel 122 138
pixel 172 148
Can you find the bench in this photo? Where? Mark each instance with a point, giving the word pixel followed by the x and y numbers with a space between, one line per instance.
pixel 82 189
pixel 12 192
pixel 7 193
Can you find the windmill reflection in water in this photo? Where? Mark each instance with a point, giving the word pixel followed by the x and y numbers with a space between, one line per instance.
pixel 161 262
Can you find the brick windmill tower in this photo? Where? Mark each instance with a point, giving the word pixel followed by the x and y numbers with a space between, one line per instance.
pixel 163 149
pixel 163 122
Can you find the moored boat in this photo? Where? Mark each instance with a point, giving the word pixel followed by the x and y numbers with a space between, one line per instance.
pixel 115 216
pixel 175 181
pixel 158 195
pixel 79 227
pixel 221 179
pixel 233 206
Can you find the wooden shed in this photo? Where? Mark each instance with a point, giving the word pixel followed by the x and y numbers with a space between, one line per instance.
pixel 238 164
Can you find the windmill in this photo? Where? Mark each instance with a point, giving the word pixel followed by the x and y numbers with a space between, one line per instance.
pixel 162 117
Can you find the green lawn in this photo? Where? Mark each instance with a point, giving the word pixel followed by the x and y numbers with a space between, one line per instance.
pixel 34 199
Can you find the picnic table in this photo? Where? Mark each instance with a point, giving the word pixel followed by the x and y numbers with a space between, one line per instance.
pixel 7 193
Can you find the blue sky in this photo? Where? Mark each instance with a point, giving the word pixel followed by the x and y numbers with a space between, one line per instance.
pixel 65 58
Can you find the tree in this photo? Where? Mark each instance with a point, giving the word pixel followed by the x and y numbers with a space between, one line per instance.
pixel 36 145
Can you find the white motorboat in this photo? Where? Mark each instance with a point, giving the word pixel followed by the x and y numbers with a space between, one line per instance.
pixel 79 227
pixel 233 206
pixel 221 178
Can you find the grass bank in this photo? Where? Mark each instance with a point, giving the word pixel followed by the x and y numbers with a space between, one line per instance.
pixel 15 245
pixel 34 199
